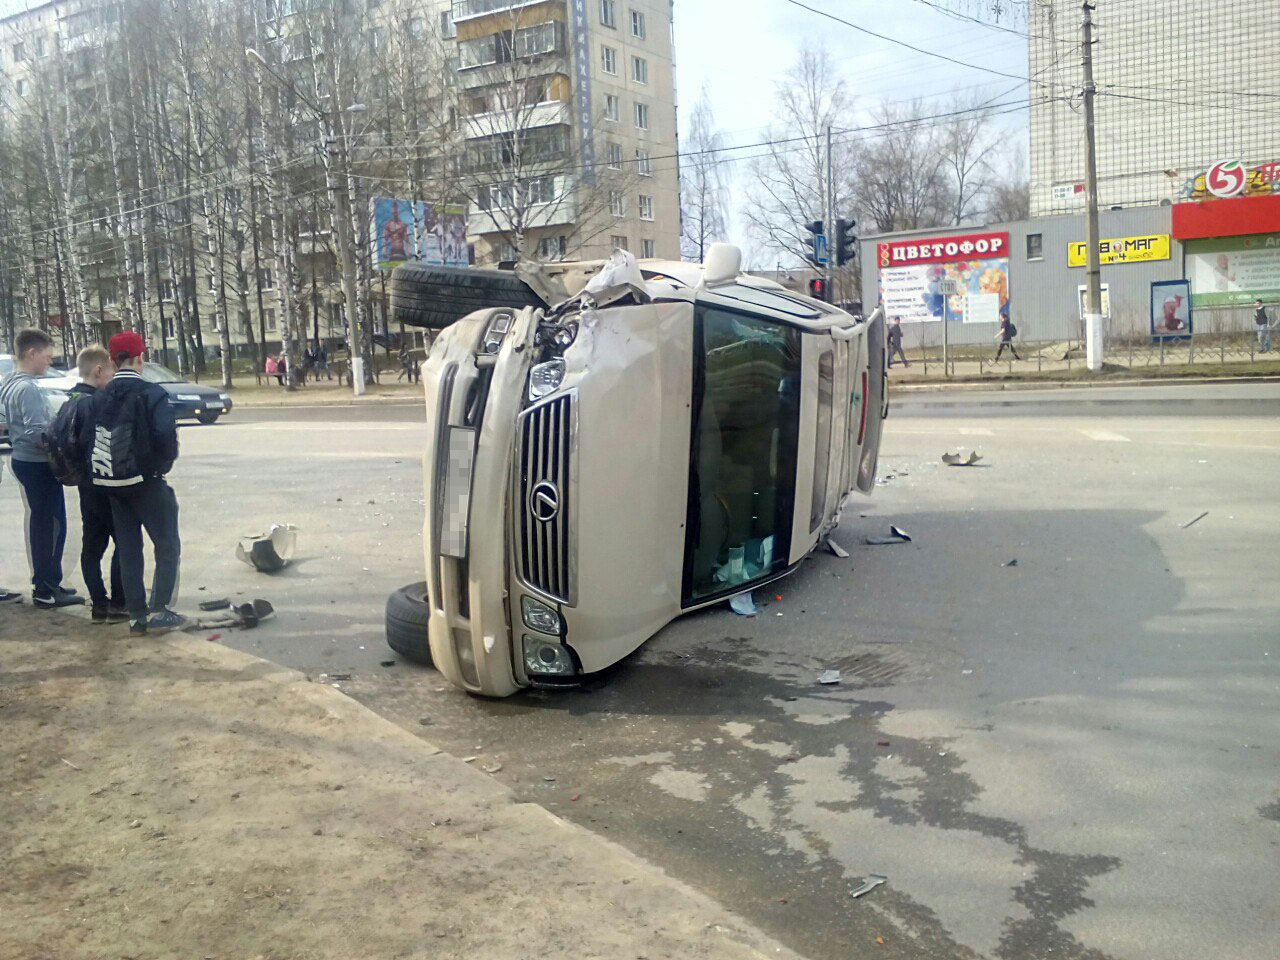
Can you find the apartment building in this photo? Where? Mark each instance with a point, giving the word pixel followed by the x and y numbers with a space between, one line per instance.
pixel 584 92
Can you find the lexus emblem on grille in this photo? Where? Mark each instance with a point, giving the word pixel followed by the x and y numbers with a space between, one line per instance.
pixel 544 501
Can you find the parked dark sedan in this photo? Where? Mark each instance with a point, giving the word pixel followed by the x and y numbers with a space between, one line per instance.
pixel 190 401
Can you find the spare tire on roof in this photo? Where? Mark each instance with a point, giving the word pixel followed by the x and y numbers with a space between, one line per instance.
pixel 434 297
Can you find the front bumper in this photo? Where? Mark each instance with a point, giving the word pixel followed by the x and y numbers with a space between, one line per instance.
pixel 468 627
pixel 193 409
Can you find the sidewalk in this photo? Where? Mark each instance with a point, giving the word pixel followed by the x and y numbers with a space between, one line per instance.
pixel 167 797
pixel 1033 371
pixel 324 392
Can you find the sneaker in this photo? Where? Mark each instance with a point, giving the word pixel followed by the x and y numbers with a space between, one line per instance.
pixel 105 613
pixel 65 591
pixel 138 627
pixel 166 620
pixel 49 600
pixel 8 596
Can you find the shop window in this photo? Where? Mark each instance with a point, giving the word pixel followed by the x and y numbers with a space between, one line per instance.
pixel 1035 246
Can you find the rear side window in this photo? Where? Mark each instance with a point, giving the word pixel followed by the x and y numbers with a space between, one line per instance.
pixel 822 440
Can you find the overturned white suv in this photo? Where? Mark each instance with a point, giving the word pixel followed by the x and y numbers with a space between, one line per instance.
pixel 666 437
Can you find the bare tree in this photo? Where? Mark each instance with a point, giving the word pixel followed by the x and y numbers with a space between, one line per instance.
pixel 970 146
pixel 787 184
pixel 901 176
pixel 704 186
pixel 1010 195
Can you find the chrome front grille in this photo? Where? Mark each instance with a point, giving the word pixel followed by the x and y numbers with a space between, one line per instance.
pixel 545 436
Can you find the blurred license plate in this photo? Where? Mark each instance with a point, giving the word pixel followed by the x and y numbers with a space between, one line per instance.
pixel 215 404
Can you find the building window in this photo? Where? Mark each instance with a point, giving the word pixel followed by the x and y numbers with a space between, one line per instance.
pixel 609 60
pixel 619 242
pixel 265 279
pixel 637 24
pixel 416 28
pixel 166 289
pixel 552 248
pixel 40 51
pixel 609 13
pixel 648 249
pixel 21 87
pixel 269 315
pixel 646 207
pixel 447 30
pixel 642 116
pixel 506 252
pixel 617 203
pixel 639 70
pixel 1035 246
pixel 19 52
pixel 615 156
pixel 612 107
pixel 644 166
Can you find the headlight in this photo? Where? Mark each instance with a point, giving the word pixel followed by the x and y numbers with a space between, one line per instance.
pixel 545 378
pixel 189 396
pixel 538 616
pixel 496 333
pixel 546 658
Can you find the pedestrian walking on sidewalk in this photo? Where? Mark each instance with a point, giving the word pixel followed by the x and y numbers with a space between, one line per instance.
pixel 70 440
pixel 135 444
pixel 28 413
pixel 1005 335
pixel 895 341
pixel 1262 320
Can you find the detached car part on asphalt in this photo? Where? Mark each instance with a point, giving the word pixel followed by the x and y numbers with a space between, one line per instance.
pixel 665 437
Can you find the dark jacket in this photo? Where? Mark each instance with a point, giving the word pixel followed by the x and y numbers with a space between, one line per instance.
pixel 1260 317
pixel 118 407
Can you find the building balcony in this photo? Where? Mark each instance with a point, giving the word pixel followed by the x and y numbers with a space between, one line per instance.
pixel 482 125
pixel 560 212
pixel 470 9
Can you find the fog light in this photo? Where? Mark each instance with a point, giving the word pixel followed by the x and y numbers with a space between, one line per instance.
pixel 496 333
pixel 545 658
pixel 538 616
pixel 545 378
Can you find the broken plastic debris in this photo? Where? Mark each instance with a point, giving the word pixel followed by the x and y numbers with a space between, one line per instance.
pixel 1010 563
pixel 829 677
pixel 744 604
pixel 873 880
pixel 270 551
pixel 1194 520
pixel 220 604
pixel 896 535
pixel 959 459
pixel 836 549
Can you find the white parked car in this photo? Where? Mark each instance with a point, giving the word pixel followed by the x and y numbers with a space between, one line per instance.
pixel 669 437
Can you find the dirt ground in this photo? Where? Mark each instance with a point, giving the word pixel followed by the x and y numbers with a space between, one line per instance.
pixel 171 798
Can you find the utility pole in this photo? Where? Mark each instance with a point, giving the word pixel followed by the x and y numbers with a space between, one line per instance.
pixel 829 221
pixel 1094 333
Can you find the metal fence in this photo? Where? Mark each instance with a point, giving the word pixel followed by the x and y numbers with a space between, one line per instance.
pixel 1222 335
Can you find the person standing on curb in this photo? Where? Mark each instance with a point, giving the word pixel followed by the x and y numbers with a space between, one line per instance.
pixel 1263 323
pixel 69 439
pixel 1005 335
pixel 135 443
pixel 895 341
pixel 28 413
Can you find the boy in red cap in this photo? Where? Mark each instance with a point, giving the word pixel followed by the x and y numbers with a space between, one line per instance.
pixel 135 443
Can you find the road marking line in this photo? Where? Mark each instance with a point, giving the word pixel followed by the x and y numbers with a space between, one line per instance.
pixel 1106 436
pixel 977 432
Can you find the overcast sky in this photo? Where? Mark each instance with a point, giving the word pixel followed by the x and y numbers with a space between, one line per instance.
pixel 740 50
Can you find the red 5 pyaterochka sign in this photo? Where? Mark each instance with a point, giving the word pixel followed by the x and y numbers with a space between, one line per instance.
pixel 973 246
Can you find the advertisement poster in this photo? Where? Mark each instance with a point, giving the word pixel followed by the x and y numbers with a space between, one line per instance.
pixel 392 231
pixel 1082 292
pixel 1170 309
pixel 443 238
pixel 1234 270
pixel 912 275
pixel 1122 250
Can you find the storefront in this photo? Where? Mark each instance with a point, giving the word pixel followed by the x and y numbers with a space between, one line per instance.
pixel 1232 249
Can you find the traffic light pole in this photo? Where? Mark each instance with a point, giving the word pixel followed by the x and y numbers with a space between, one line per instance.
pixel 829 219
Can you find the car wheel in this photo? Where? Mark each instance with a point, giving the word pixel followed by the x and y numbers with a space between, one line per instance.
pixel 208 417
pixel 434 297
pixel 407 616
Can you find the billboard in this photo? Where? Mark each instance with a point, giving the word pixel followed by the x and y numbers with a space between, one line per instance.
pixel 409 229
pixel 1121 250
pixel 1234 270
pixel 1170 309
pixel 913 275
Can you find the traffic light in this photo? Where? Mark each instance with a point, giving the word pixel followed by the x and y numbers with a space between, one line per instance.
pixel 816 242
pixel 846 241
pixel 818 289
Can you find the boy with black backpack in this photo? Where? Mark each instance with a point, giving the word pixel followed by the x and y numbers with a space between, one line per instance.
pixel 68 441
pixel 135 443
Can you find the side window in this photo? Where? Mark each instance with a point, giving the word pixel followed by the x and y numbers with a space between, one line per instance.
pixel 822 440
pixel 742 465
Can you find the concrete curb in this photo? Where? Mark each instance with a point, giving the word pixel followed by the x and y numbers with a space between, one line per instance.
pixel 1016 385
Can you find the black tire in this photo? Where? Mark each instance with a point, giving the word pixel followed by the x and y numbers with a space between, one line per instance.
pixel 434 297
pixel 407 616
pixel 208 417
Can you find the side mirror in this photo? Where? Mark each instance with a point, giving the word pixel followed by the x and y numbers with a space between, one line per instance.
pixel 722 265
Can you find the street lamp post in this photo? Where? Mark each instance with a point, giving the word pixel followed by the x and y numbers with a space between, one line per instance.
pixel 340 199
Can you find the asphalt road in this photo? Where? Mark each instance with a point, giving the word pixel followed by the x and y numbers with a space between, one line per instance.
pixel 1074 756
